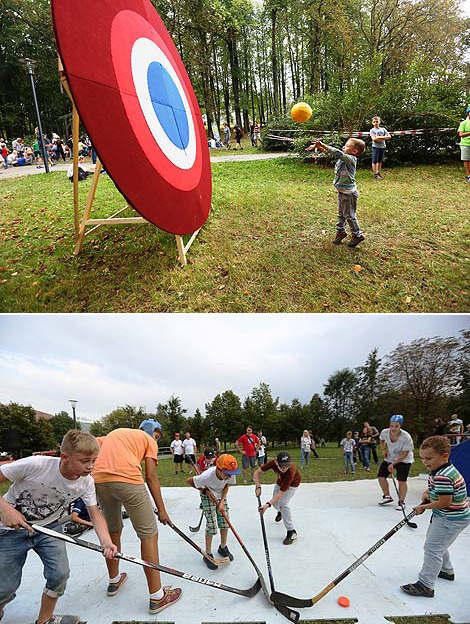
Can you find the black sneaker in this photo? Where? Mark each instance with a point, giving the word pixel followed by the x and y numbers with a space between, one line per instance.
pixel 225 552
pixel 386 500
pixel 355 240
pixel 339 238
pixel 448 576
pixel 209 563
pixel 418 589
pixel 278 517
pixel 290 537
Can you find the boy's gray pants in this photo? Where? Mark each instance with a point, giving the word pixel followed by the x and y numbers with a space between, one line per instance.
pixel 347 206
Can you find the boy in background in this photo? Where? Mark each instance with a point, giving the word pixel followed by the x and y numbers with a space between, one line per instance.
pixel 446 496
pixel 345 183
pixel 348 445
pixel 42 489
pixel 379 136
pixel 216 480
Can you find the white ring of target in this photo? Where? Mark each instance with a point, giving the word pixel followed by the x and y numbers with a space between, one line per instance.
pixel 145 51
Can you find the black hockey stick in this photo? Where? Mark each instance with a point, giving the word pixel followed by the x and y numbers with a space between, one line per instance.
pixel 292 616
pixel 266 547
pixel 285 599
pixel 248 593
pixel 196 528
pixel 412 525
pixel 194 545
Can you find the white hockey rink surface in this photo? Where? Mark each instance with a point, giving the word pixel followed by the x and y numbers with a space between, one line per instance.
pixel 336 523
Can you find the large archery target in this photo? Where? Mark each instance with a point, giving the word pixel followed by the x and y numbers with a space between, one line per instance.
pixel 137 103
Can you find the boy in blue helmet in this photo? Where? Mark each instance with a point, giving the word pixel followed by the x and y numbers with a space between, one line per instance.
pixel 120 482
pixel 397 448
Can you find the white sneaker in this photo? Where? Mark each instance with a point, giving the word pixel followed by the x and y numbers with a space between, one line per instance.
pixel 385 500
pixel 400 506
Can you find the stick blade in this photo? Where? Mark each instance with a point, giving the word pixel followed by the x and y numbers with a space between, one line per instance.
pixel 222 561
pixel 278 598
pixel 292 616
pixel 253 590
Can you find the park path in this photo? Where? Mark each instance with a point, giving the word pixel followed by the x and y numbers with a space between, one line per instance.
pixel 17 172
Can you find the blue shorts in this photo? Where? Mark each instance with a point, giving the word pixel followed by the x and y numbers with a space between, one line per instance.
pixel 377 154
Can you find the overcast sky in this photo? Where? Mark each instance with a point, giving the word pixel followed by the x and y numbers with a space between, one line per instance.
pixel 104 361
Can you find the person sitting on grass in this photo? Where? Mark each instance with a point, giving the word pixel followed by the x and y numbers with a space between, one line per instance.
pixel 345 183
pixel 82 173
pixel 216 480
pixel 446 497
pixel 80 520
pixel 288 480
pixel 40 492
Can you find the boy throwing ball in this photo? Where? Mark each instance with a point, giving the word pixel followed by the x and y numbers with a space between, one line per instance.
pixel 446 496
pixel 345 183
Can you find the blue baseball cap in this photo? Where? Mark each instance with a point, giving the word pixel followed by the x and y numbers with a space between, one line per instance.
pixel 149 425
pixel 397 418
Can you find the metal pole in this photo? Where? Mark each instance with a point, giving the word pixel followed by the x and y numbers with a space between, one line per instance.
pixel 41 137
pixel 73 403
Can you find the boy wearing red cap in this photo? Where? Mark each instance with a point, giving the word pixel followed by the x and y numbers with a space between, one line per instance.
pixel 216 480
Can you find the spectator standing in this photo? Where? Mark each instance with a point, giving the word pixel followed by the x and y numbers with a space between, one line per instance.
pixel 464 134
pixel 322 443
pixel 397 448
pixel 252 134
pixel 374 436
pixel 357 447
pixel 378 135
pixel 288 480
pixel 365 442
pixel 189 450
pixel 227 135
pixel 313 444
pixel 248 445
pixel 18 146
pixel 262 451
pixel 439 427
pixel 348 445
pixel 4 153
pixel 446 497
pixel 218 446
pixel 176 449
pixel 238 135
pixel 257 133
pixel 41 490
pixel 455 428
pixel 120 482
pixel 305 443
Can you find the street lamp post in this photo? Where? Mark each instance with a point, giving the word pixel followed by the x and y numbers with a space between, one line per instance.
pixel 30 66
pixel 73 404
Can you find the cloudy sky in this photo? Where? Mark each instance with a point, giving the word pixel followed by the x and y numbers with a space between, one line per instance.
pixel 104 361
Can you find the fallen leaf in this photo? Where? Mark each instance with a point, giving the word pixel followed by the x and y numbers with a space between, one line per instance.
pixel 357 268
pixel 407 299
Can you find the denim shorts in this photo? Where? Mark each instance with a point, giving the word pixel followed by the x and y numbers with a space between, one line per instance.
pixel 14 548
pixel 248 461
pixel 377 154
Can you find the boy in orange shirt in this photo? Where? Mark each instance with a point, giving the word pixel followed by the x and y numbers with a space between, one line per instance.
pixel 119 482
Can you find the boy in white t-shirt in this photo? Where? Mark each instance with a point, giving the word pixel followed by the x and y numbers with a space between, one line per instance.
pixel 216 480
pixel 42 489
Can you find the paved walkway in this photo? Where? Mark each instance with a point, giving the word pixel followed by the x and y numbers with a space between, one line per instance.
pixel 17 172
pixel 336 523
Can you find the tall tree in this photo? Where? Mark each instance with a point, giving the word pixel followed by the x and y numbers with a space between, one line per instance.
pixel 223 415
pixel 340 393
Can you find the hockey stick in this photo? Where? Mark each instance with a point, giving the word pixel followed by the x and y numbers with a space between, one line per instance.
pixel 285 599
pixel 248 593
pixel 186 538
pixel 196 528
pixel 266 548
pixel 412 525
pixel 292 616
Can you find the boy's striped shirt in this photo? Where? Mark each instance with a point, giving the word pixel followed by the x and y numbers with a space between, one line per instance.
pixel 447 480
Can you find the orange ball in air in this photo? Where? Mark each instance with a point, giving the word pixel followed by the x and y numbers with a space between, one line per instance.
pixel 301 112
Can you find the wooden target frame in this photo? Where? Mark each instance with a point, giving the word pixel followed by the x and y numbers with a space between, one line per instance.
pixel 84 221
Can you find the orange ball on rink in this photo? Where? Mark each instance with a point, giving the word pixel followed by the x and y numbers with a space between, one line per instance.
pixel 301 112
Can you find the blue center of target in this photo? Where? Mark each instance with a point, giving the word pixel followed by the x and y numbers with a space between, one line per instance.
pixel 168 105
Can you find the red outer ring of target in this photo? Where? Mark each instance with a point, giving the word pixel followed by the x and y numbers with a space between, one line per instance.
pixel 94 41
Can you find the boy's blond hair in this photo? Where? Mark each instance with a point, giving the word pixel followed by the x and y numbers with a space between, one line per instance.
pixel 440 444
pixel 376 117
pixel 359 145
pixel 76 441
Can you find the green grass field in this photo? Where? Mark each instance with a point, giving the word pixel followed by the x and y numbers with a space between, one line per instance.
pixel 266 246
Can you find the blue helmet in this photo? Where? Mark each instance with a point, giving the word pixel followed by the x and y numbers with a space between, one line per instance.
pixel 149 425
pixel 397 418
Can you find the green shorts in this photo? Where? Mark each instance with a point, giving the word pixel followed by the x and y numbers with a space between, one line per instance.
pixel 213 516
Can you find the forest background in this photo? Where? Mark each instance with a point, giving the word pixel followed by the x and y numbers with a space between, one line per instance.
pixel 407 60
pixel 426 379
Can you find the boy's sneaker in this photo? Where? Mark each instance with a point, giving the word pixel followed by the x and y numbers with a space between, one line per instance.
pixel 278 517
pixel 400 506
pixel 113 588
pixel 210 564
pixel 290 537
pixel 225 552
pixel 63 619
pixel 467 179
pixel 170 596
pixel 448 576
pixel 385 500
pixel 339 238
pixel 355 240
pixel 418 589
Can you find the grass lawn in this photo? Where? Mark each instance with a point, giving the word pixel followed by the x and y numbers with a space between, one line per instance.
pixel 266 246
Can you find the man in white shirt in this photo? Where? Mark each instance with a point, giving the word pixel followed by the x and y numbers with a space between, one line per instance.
pixel 190 450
